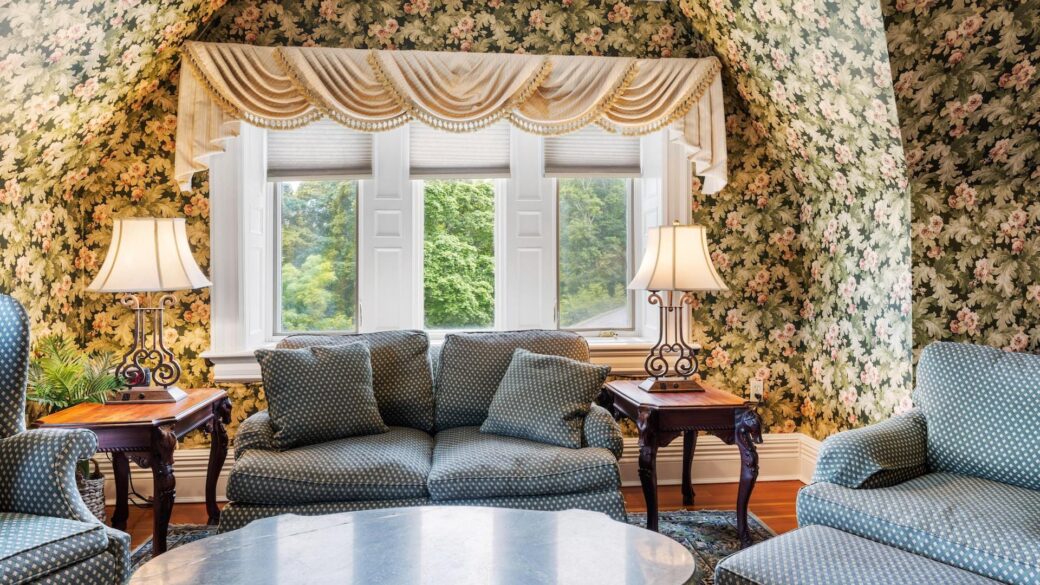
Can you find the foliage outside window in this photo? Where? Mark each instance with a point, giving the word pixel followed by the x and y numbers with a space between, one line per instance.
pixel 318 255
pixel 459 254
pixel 593 253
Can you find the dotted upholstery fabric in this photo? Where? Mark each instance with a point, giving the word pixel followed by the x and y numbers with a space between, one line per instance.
pixel 32 546
pixel 544 398
pixel 817 555
pixel 97 570
pixel 983 526
pixel 879 455
pixel 320 393
pixel 392 465
pixel 468 464
pixel 982 406
pixel 601 430
pixel 14 365
pixel 235 515
pixel 255 432
pixel 609 502
pixel 39 472
pixel 472 366
pixel 401 375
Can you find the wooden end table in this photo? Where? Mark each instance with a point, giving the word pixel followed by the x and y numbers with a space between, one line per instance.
pixel 663 416
pixel 147 434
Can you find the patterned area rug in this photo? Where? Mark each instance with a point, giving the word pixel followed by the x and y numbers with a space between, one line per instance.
pixel 710 535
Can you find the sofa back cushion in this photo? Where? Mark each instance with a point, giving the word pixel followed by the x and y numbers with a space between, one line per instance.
pixel 981 407
pixel 472 366
pixel 401 375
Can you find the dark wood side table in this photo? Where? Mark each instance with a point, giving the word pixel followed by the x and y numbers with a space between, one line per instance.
pixel 147 434
pixel 661 417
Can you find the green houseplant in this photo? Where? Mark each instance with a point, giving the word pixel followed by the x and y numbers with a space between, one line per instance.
pixel 62 375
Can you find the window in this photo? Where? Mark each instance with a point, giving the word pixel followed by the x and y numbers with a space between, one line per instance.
pixel 595 254
pixel 324 229
pixel 317 256
pixel 459 254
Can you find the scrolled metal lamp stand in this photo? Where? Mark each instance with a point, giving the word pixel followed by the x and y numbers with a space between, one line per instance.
pixel 671 340
pixel 149 360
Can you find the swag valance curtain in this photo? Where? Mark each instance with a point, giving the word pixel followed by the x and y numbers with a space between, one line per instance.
pixel 223 85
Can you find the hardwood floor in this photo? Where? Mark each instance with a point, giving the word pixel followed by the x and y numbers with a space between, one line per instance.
pixel 772 502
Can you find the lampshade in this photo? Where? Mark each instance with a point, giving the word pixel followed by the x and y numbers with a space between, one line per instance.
pixel 677 258
pixel 148 254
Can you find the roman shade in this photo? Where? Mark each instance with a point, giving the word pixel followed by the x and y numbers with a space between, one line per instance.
pixel 592 152
pixel 223 85
pixel 439 154
pixel 320 150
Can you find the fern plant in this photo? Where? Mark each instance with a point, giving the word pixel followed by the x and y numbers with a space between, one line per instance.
pixel 61 375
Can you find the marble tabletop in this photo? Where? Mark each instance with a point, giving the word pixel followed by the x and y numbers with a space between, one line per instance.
pixel 429 545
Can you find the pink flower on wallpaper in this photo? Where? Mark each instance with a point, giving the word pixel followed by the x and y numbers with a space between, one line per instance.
pixel 984 270
pixel 719 358
pixel 966 322
pixel 971 25
pixel 1019 342
pixel 869 261
pixel 905 405
pixel 1000 150
pixel 620 13
pixel 870 375
pixel 1020 76
pixel 536 19
pixel 963 196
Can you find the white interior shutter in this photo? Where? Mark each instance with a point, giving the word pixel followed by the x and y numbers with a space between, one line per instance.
pixel 319 150
pixel 437 154
pixel 592 152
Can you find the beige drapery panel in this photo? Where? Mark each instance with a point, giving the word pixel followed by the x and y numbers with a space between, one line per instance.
pixel 223 85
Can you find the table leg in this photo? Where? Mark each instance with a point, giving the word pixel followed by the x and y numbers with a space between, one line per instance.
pixel 121 470
pixel 648 464
pixel 747 432
pixel 218 446
pixel 688 447
pixel 164 441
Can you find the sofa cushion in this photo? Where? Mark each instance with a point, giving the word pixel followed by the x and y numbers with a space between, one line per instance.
pixel 981 406
pixel 472 366
pixel 468 464
pixel 390 465
pixel 319 394
pixel 401 375
pixel 544 398
pixel 976 524
pixel 818 554
pixel 33 546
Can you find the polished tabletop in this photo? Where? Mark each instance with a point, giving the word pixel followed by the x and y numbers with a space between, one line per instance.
pixel 429 545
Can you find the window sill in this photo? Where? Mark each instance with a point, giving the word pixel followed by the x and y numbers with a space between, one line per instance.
pixel 624 355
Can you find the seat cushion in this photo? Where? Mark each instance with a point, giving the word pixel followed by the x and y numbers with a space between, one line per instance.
pixel 981 407
pixel 976 524
pixel 544 398
pixel 469 464
pixel 391 465
pixel 33 546
pixel 401 374
pixel 319 394
pixel 818 554
pixel 472 366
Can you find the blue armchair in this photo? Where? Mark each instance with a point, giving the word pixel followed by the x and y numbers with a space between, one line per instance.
pixel 957 479
pixel 47 534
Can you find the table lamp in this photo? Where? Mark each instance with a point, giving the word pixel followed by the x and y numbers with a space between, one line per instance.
pixel 676 264
pixel 148 255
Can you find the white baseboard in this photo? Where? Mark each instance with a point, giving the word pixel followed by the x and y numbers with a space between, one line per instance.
pixel 781 457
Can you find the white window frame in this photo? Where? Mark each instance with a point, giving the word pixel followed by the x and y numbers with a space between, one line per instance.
pixel 390 247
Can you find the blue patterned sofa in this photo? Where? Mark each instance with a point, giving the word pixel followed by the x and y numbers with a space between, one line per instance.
pixel 434 454
pixel 957 479
pixel 47 534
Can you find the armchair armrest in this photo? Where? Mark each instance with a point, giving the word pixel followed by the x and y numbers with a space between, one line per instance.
pixel 39 472
pixel 880 455
pixel 601 430
pixel 255 432
pixel 119 548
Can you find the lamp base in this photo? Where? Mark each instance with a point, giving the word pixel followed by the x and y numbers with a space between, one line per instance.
pixel 671 385
pixel 148 395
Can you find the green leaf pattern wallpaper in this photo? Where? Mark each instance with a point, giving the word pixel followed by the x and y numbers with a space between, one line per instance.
pixel 813 233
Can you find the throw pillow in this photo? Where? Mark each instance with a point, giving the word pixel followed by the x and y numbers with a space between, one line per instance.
pixel 544 398
pixel 319 394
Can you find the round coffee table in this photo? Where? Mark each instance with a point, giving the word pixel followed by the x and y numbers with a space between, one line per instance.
pixel 429 545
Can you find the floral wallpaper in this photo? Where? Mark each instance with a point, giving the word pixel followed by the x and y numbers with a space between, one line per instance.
pixel 813 233
pixel 968 93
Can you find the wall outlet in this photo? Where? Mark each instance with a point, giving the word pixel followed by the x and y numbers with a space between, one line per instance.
pixel 758 388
